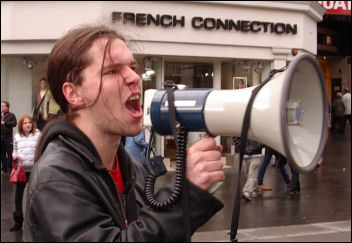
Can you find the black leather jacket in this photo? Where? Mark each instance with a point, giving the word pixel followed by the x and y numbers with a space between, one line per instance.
pixel 72 197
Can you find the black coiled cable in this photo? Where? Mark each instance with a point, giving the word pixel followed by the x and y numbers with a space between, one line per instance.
pixel 181 143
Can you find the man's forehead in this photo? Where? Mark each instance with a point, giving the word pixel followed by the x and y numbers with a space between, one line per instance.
pixel 117 50
pixel 116 45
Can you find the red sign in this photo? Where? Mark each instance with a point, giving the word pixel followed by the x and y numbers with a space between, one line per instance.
pixel 337 7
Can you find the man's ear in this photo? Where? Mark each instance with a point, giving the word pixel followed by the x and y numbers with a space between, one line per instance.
pixel 72 95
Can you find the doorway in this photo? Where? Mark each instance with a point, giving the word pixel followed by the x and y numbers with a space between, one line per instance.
pixel 335 87
pixel 193 75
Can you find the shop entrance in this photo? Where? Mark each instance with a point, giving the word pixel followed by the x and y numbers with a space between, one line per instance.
pixel 335 87
pixel 193 75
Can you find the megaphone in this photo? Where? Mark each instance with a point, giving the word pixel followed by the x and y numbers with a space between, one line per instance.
pixel 289 113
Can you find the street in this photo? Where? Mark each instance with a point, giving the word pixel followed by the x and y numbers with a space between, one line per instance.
pixel 320 212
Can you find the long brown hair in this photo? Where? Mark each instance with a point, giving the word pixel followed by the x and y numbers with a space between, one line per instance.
pixel 68 59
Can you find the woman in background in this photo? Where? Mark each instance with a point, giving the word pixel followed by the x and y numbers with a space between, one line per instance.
pixel 24 145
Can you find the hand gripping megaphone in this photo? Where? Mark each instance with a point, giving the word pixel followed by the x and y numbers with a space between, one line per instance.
pixel 289 113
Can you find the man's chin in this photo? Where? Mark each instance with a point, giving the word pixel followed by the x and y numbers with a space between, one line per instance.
pixel 135 132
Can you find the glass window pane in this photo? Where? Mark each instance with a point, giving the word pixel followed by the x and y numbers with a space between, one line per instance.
pixel 194 75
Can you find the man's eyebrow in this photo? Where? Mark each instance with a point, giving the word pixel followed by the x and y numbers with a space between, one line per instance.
pixel 111 65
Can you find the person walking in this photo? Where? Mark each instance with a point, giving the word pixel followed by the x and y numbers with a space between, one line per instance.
pixel 8 121
pixel 339 112
pixel 269 152
pixel 346 99
pixel 24 145
pixel 84 186
pixel 137 146
pixel 251 162
pixel 295 184
pixel 332 114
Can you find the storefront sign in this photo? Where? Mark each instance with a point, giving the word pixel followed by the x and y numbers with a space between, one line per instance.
pixel 337 7
pixel 141 19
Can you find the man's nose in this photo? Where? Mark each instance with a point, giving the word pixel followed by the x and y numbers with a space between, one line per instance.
pixel 132 78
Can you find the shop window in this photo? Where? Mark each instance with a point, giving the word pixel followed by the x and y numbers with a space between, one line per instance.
pixel 194 75
pixel 149 69
pixel 147 72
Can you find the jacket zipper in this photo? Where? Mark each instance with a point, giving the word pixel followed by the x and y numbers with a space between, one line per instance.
pixel 122 202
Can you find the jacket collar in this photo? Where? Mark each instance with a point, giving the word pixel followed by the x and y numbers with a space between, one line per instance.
pixel 77 141
pixel 72 137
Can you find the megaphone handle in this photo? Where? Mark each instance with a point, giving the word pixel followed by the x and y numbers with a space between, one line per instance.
pixel 213 188
pixel 191 139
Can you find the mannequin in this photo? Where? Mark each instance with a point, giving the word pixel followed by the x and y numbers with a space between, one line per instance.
pixel 42 111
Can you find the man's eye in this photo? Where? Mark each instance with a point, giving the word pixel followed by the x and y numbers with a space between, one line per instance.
pixel 110 71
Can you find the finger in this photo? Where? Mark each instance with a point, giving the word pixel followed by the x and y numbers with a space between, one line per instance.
pixel 198 157
pixel 210 155
pixel 205 144
pixel 217 176
pixel 213 177
pixel 219 148
pixel 205 180
pixel 211 166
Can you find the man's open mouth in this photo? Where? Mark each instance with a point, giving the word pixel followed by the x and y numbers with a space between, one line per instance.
pixel 133 104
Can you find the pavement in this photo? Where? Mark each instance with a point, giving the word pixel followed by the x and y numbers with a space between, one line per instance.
pixel 339 231
pixel 321 212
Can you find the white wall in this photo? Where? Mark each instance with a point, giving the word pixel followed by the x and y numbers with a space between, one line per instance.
pixel 47 21
pixel 16 86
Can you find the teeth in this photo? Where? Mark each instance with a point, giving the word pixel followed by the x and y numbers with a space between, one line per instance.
pixel 134 97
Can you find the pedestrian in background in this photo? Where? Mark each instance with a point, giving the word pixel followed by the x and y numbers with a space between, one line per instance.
pixel 346 99
pixel 269 152
pixel 339 112
pixel 295 186
pixel 332 114
pixel 251 162
pixel 137 146
pixel 24 145
pixel 8 121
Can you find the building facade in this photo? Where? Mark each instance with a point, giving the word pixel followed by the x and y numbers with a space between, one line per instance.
pixel 334 48
pixel 212 44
